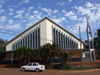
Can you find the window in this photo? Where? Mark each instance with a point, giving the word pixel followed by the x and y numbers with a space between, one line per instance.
pixel 34 64
pixel 30 64
pixel 39 37
pixel 86 55
pixel 33 40
pixel 28 41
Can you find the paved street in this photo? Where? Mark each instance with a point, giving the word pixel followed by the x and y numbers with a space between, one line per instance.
pixel 17 71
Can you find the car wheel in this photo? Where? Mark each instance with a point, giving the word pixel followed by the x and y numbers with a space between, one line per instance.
pixel 23 69
pixel 37 70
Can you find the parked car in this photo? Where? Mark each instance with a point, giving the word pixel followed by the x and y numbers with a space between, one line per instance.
pixel 33 66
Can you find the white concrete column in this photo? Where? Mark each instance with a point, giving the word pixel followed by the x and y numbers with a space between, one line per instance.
pixel 40 35
pixel 52 34
pixel 12 46
pixel 65 42
pixel 62 41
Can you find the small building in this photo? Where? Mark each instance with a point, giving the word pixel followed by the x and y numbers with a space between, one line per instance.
pixel 46 31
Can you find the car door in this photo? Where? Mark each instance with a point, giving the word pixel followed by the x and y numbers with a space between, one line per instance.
pixel 29 66
pixel 34 66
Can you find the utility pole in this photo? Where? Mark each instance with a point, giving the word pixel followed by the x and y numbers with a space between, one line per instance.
pixel 89 36
pixel 81 53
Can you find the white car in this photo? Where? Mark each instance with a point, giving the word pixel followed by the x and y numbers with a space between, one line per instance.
pixel 33 66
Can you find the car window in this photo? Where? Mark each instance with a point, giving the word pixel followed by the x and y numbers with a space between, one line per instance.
pixel 34 64
pixel 30 64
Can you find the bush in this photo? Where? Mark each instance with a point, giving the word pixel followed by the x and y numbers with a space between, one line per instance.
pixel 64 66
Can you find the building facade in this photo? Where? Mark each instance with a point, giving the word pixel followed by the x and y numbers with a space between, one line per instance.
pixel 44 31
pixel 47 31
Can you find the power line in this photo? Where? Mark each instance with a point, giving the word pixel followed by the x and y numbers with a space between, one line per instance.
pixel 7 33
pixel 8 30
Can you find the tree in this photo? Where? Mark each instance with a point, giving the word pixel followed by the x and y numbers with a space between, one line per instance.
pixel 2 49
pixel 23 55
pixel 47 53
pixel 65 58
pixel 97 40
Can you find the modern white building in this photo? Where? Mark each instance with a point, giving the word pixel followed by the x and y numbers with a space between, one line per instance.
pixel 46 31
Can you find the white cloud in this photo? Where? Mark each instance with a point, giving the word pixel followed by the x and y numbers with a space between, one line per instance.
pixel 35 11
pixel 20 12
pixel 63 11
pixel 10 13
pixel 30 8
pixel 2 11
pixel 70 0
pixel 26 1
pixel 0 6
pixel 61 3
pixel 88 4
pixel 48 11
pixel 10 21
pixel 92 10
pixel 71 15
pixel 18 16
pixel 3 18
pixel 59 20
pixel 15 26
pixel 10 9
pixel 55 11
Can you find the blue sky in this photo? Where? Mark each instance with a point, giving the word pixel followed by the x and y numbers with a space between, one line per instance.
pixel 18 15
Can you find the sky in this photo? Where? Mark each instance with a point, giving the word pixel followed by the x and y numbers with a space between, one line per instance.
pixel 18 15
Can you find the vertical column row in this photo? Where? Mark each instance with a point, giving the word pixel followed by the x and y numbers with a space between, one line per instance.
pixel 30 40
pixel 63 40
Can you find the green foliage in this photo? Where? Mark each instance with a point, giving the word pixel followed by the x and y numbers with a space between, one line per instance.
pixel 47 53
pixel 23 55
pixel 97 40
pixel 65 59
pixel 2 49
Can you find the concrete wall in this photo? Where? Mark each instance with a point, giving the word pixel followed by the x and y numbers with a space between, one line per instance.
pixel 42 31
pixel 45 34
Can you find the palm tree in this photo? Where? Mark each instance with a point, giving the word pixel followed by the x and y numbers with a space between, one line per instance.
pixel 23 55
pixel 47 53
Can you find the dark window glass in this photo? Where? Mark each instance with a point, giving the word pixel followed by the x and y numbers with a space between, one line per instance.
pixel 56 37
pixel 39 37
pixel 14 47
pixel 30 64
pixel 54 34
pixel 59 38
pixel 28 41
pixel 33 40
pixel 36 38
pixel 34 64
pixel 23 42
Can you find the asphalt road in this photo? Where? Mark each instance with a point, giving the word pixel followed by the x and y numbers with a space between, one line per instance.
pixel 17 71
